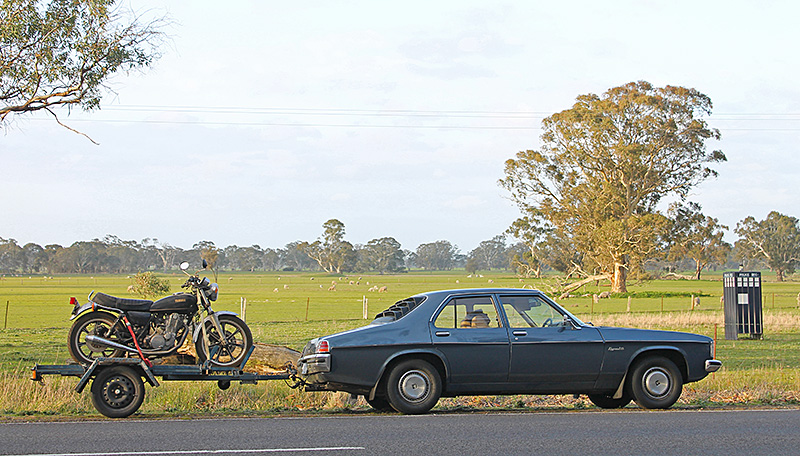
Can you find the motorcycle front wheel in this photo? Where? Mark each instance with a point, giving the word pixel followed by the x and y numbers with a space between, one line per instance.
pixel 96 324
pixel 228 349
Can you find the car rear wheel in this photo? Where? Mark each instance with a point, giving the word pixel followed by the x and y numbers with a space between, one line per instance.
pixel 380 404
pixel 413 387
pixel 608 402
pixel 656 383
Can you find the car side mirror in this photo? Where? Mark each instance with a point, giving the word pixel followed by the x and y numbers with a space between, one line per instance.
pixel 569 321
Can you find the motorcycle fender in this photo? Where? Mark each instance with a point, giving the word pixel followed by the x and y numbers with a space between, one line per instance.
pixel 82 309
pixel 198 329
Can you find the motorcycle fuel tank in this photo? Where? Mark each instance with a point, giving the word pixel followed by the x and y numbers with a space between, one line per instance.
pixel 179 302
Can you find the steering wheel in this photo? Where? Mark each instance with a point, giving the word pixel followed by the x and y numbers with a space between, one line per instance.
pixel 548 322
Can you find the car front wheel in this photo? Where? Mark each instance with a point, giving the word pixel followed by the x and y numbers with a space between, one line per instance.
pixel 413 387
pixel 656 383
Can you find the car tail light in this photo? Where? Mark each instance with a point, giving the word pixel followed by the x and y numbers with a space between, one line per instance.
pixel 323 347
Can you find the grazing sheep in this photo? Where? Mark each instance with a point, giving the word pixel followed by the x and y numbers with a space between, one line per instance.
pixel 491 281
pixel 131 289
pixel 605 295
pixel 286 287
pixel 312 278
pixel 332 287
pixel 375 288
pixel 351 282
pixel 275 290
pixel 383 289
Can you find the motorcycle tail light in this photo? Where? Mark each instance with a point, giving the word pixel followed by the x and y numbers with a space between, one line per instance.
pixel 73 301
pixel 323 347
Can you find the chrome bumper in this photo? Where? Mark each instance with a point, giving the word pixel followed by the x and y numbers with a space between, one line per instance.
pixel 713 365
pixel 314 364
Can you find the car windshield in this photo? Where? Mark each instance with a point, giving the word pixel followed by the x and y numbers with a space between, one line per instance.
pixel 398 310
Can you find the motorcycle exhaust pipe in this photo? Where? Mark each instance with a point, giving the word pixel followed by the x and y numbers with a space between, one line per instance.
pixel 97 340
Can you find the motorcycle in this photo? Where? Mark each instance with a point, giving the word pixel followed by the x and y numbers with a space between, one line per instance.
pixel 112 327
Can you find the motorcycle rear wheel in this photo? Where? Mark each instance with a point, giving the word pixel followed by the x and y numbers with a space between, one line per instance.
pixel 239 341
pixel 97 324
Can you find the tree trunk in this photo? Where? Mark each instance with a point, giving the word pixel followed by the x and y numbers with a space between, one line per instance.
pixel 619 281
pixel 697 269
pixel 779 275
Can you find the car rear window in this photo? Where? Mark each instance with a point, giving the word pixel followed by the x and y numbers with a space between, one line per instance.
pixel 398 310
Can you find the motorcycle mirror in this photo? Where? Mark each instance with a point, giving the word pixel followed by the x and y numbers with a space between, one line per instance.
pixel 205 263
pixel 184 265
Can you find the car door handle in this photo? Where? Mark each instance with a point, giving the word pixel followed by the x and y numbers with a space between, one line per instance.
pixel 442 333
pixel 520 333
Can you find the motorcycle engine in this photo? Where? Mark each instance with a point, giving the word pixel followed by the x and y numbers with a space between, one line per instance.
pixel 165 333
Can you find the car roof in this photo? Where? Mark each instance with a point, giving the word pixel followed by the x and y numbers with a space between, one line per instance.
pixel 479 291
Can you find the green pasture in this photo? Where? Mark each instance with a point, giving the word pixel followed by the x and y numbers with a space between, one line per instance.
pixel 291 308
pixel 43 302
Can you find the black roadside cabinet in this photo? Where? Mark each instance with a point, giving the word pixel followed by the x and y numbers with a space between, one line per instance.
pixel 742 296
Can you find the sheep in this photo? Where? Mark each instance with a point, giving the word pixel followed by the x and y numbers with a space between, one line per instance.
pixel 332 287
pixel 286 287
pixel 383 289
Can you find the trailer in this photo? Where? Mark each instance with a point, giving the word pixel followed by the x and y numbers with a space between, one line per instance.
pixel 117 384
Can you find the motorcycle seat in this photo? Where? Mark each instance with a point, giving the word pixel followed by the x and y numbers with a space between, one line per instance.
pixel 140 305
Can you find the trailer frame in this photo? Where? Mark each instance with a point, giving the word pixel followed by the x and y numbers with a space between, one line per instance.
pixel 122 395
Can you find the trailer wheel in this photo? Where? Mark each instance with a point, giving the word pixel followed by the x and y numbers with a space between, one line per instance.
pixel 117 391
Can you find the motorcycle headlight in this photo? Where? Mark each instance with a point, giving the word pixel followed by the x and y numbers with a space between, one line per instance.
pixel 212 292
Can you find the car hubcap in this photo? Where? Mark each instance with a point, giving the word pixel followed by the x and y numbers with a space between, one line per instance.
pixel 656 382
pixel 414 386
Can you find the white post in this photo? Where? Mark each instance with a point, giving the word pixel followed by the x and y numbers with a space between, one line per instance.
pixel 365 307
pixel 243 305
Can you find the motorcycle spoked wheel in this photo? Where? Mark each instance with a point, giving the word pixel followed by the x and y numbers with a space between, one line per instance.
pixel 97 324
pixel 238 337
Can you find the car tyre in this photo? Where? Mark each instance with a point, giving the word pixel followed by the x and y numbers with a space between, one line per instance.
pixel 413 387
pixel 380 404
pixel 607 401
pixel 656 383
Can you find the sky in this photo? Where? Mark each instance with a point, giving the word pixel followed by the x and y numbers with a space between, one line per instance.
pixel 264 119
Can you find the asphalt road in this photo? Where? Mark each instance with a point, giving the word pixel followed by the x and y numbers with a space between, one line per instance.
pixel 628 432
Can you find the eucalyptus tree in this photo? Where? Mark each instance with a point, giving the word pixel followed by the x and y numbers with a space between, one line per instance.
pixel 696 236
pixel 62 52
pixel 606 163
pixel 774 240
pixel 331 251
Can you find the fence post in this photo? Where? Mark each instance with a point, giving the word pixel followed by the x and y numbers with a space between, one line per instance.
pixel 692 302
pixel 308 301
pixel 629 302
pixel 662 304
pixel 364 307
pixel 243 305
pixel 5 320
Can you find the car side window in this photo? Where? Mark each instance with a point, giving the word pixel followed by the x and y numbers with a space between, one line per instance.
pixel 467 313
pixel 530 312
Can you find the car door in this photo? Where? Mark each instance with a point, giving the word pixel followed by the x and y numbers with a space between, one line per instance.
pixel 469 332
pixel 548 353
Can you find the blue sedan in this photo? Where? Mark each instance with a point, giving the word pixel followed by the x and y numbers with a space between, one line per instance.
pixel 501 341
